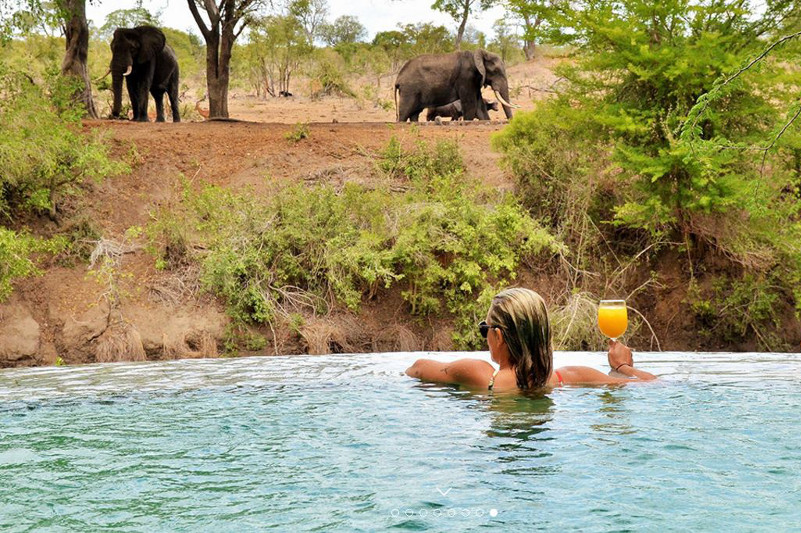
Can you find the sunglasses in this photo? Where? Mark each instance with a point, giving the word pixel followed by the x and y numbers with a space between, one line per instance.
pixel 484 328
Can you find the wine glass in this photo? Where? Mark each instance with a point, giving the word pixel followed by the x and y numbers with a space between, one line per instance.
pixel 613 318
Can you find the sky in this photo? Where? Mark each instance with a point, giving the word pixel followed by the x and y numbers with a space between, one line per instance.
pixel 376 15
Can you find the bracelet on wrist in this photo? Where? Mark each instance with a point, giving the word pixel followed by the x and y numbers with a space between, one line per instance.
pixel 621 366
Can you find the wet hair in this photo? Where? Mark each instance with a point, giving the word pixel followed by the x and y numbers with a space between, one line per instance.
pixel 523 318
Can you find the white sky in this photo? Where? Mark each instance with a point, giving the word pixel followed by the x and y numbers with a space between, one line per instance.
pixel 376 15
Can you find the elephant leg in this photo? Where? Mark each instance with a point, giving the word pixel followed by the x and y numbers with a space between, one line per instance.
pixel 483 112
pixel 133 96
pixel 173 95
pixel 409 109
pixel 145 84
pixel 158 97
pixel 470 109
pixel 143 103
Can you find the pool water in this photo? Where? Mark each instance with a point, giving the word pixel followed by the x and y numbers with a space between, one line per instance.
pixel 349 443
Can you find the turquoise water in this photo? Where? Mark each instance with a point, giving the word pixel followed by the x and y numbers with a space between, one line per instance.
pixel 348 443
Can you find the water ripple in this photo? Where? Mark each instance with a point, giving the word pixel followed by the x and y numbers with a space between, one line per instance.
pixel 349 443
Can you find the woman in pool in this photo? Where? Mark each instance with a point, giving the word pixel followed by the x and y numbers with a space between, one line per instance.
pixel 519 336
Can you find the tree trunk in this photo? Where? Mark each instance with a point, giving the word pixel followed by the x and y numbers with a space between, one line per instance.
pixel 217 73
pixel 529 48
pixel 462 25
pixel 76 32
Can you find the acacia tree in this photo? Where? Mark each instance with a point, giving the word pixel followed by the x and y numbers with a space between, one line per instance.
pixel 344 30
pixel 460 11
pixel 221 23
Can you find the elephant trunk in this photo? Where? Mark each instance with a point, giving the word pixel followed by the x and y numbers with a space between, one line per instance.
pixel 116 86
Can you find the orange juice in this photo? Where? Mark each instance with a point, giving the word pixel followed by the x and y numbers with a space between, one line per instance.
pixel 613 319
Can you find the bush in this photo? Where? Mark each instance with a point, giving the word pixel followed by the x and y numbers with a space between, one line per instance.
pixel 44 155
pixel 446 242
pixel 16 251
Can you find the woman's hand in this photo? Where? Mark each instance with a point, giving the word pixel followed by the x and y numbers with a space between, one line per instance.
pixel 621 360
pixel 619 354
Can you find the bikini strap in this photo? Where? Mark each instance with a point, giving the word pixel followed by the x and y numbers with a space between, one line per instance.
pixel 492 379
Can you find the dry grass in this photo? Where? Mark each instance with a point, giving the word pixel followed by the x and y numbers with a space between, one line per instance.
pixel 120 342
pixel 397 338
pixel 190 345
pixel 324 337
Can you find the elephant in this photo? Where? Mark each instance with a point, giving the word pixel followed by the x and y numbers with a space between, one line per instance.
pixel 141 56
pixel 454 110
pixel 434 80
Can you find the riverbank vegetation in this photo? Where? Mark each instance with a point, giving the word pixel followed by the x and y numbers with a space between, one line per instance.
pixel 668 139
pixel 46 159
pixel 426 226
pixel 665 167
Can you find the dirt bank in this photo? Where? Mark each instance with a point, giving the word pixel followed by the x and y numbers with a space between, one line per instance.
pixel 66 313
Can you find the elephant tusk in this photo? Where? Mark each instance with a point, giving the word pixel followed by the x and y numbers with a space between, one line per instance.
pixel 130 68
pixel 504 102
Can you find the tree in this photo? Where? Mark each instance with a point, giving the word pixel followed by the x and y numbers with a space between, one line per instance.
pixel 460 11
pixel 128 18
pixel 641 68
pixel 76 33
pixel 70 15
pixel 221 24
pixel 535 16
pixel 505 40
pixel 344 30
pixel 310 14
pixel 278 43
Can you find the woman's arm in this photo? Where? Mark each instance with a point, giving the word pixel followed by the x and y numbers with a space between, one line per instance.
pixel 621 360
pixel 471 372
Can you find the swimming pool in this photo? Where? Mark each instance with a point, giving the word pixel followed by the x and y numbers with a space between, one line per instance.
pixel 349 443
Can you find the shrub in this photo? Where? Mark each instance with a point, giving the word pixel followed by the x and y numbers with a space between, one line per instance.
pixel 16 262
pixel 44 155
pixel 444 240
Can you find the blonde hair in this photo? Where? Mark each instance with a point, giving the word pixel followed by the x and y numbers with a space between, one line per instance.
pixel 523 318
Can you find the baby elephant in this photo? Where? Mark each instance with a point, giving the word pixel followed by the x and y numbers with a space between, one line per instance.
pixel 454 110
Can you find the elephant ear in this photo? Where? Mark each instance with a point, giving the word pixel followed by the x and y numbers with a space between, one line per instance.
pixel 478 60
pixel 152 42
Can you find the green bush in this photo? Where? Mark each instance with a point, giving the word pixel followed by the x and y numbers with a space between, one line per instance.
pixel 16 262
pixel 44 154
pixel 445 241
pixel 647 150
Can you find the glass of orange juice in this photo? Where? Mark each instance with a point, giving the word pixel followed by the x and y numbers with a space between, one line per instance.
pixel 613 318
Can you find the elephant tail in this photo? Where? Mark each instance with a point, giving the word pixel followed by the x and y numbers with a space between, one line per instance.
pixel 397 110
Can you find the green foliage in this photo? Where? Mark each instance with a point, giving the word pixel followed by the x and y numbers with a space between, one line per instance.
pixel 16 262
pixel 556 168
pixel 326 77
pixel 345 29
pixel 739 309
pixel 299 132
pixel 127 18
pixel 44 155
pixel 446 242
pixel 654 140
